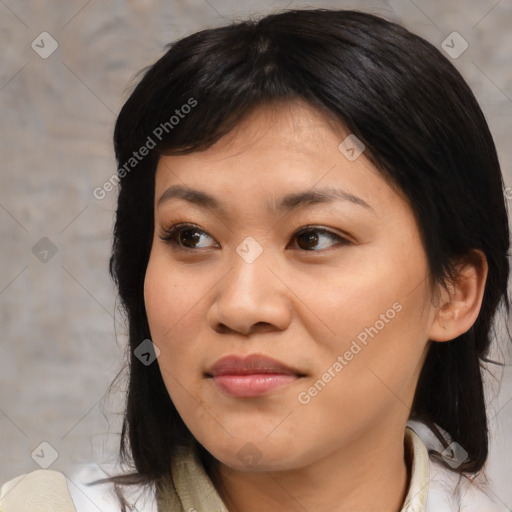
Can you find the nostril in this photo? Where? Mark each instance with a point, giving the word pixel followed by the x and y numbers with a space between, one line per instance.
pixel 223 329
pixel 263 327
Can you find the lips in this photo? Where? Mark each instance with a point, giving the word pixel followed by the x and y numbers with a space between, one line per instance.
pixel 254 363
pixel 251 376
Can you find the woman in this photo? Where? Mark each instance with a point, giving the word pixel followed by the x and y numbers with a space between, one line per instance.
pixel 311 246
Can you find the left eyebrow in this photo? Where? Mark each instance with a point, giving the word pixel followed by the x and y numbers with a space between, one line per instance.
pixel 324 195
pixel 288 202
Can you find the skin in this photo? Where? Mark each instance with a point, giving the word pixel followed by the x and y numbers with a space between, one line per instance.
pixel 344 449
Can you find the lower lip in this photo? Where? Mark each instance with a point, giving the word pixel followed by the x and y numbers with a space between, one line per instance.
pixel 247 386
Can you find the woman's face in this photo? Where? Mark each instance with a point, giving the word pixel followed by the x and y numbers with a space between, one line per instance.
pixel 299 253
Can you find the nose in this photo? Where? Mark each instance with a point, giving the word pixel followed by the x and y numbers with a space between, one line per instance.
pixel 250 298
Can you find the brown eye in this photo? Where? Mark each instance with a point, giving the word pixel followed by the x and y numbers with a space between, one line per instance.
pixel 185 236
pixel 313 239
pixel 307 239
pixel 189 237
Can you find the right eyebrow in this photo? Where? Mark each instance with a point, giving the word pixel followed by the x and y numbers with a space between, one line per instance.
pixel 191 195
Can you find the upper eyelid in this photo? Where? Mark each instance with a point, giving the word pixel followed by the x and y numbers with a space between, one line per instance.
pixel 182 226
pixel 343 238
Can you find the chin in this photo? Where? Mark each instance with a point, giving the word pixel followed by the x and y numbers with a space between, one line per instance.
pixel 255 457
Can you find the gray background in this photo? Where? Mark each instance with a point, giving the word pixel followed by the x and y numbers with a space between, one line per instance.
pixel 59 350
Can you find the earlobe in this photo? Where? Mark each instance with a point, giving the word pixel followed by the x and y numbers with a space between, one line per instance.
pixel 460 304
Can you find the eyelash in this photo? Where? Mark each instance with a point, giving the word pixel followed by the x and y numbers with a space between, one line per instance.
pixel 170 236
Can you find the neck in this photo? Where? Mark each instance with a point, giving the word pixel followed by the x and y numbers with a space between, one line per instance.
pixel 371 474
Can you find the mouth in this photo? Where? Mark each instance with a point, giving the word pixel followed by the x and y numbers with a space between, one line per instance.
pixel 251 376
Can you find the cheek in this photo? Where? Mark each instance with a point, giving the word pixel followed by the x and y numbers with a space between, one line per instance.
pixel 365 299
pixel 172 297
pixel 381 357
pixel 173 308
pixel 378 317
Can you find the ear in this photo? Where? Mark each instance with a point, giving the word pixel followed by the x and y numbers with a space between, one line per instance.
pixel 458 309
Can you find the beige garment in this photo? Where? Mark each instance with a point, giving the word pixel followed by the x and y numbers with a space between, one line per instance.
pixel 38 491
pixel 190 491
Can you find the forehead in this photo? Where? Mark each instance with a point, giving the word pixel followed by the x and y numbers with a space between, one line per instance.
pixel 286 147
pixel 293 126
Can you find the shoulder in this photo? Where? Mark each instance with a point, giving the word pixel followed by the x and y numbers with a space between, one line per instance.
pixel 41 490
pixel 449 491
pixel 53 491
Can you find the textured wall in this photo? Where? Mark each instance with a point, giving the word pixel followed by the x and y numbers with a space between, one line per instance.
pixel 59 351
